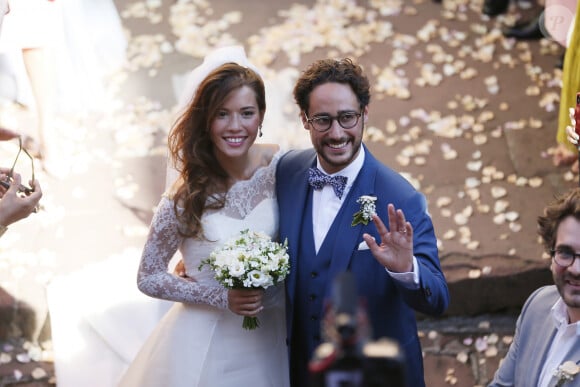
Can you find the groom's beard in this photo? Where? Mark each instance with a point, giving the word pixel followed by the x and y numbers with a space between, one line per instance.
pixel 339 162
pixel 570 296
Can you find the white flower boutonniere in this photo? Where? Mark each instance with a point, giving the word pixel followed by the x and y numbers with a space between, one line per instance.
pixel 367 210
pixel 566 372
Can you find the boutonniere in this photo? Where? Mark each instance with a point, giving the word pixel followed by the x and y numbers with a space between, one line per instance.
pixel 367 210
pixel 566 372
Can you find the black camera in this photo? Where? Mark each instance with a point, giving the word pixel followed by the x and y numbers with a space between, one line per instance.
pixel 348 358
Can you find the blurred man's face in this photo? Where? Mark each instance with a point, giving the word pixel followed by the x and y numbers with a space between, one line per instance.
pixel 3 11
pixel 567 279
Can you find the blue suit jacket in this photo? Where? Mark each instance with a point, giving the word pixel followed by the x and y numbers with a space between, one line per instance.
pixel 390 305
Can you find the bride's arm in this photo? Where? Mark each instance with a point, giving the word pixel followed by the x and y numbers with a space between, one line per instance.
pixel 153 278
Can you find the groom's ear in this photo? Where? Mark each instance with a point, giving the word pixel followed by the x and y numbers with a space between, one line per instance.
pixel 303 119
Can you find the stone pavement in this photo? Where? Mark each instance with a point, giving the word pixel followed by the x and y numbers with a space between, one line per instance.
pixel 465 114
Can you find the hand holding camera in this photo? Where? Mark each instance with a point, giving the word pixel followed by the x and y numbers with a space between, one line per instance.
pixel 18 201
pixel 348 357
pixel 573 130
pixel 7 181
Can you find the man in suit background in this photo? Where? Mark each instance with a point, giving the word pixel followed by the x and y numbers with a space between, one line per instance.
pixel 396 269
pixel 548 329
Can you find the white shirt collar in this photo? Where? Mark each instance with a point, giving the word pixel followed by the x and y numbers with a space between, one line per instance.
pixel 560 315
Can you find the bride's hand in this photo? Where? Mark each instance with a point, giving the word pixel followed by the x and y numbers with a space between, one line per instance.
pixel 245 302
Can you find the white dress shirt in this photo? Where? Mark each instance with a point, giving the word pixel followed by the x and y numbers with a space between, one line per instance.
pixel 325 203
pixel 566 337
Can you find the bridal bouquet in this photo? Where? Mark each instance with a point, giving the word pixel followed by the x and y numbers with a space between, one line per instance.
pixel 249 260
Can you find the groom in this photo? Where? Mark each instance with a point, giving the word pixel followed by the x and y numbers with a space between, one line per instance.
pixel 395 266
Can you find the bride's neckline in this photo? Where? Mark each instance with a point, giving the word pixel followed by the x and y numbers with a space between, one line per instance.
pixel 243 182
pixel 258 158
pixel 257 172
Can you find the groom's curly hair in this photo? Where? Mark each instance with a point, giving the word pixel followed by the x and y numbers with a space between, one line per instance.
pixel 323 71
pixel 202 181
pixel 567 204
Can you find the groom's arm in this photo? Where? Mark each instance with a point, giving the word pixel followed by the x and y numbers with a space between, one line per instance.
pixel 432 295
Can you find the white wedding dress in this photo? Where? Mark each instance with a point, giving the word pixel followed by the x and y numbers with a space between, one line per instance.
pixel 200 342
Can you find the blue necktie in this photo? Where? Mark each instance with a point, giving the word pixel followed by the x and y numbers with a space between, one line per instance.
pixel 318 179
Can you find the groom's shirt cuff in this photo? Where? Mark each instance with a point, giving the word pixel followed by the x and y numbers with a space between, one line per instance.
pixel 410 280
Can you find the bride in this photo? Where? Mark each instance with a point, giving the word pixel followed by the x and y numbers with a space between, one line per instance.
pixel 224 183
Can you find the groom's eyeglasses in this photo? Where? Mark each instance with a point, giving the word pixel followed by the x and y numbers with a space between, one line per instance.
pixel 9 179
pixel 564 256
pixel 323 122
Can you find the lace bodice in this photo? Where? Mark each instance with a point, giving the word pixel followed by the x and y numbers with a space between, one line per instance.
pixel 249 204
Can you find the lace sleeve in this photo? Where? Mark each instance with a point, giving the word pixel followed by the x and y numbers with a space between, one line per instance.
pixel 154 280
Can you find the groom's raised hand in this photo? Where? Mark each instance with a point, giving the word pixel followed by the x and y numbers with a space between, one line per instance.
pixel 395 250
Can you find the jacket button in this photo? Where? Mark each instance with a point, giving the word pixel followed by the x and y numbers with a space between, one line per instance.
pixel 428 291
pixel 314 274
pixel 312 297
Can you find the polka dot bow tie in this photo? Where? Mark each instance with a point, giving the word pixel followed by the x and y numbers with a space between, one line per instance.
pixel 318 179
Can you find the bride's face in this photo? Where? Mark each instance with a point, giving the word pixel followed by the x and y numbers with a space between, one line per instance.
pixel 236 125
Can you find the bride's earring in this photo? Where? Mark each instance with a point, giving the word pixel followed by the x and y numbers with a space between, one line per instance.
pixel 260 130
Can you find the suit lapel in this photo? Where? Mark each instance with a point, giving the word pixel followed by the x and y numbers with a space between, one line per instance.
pixel 572 355
pixel 543 342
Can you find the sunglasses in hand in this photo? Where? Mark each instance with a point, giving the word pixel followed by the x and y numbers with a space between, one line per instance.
pixel 6 182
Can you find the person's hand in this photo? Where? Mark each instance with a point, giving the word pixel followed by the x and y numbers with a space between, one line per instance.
pixel 570 131
pixel 245 302
pixel 6 134
pixel 15 205
pixel 179 269
pixel 395 251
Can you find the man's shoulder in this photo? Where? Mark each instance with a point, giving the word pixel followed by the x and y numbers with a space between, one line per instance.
pixel 295 157
pixel 382 168
pixel 386 176
pixel 542 299
pixel 545 293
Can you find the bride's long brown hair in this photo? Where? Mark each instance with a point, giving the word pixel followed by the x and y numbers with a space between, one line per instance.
pixel 202 180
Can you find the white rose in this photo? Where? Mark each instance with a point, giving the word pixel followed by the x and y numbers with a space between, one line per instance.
pixel 236 269
pixel 258 279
